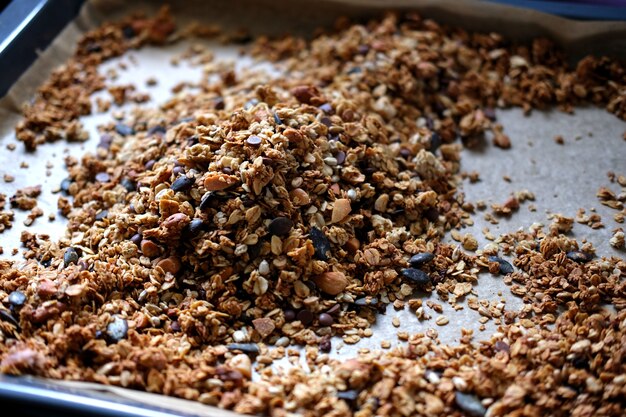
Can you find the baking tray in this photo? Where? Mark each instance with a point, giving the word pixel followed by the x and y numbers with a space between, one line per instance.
pixel 563 178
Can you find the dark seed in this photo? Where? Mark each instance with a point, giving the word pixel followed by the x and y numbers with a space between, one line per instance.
pixel 290 315
pixel 490 113
pixel 156 130
pixel 350 395
pixel 193 140
pixel 17 298
pixel 175 326
pixel 117 329
pixel 280 226
pixel 178 170
pixel 102 215
pixel 580 362
pixel 195 226
pixel 70 256
pixel 206 201
pixel 227 170
pixel 123 129
pixel 432 214
pixel 128 32
pixel 8 317
pixel 277 119
pixel 435 142
pixel 253 140
pixel 325 345
pixel 320 243
pixel 182 183
pixel 251 103
pixel 470 404
pixel 334 309
pixel 136 239
pixel 416 275
pixel 245 347
pixel 326 319
pixel 421 259
pixel 355 70
pixel 504 266
pixel 150 164
pixel 327 108
pixel 578 256
pixel 326 121
pixel 363 49
pixel 366 301
pixel 340 157
pixel 103 177
pixel 219 103
pixel 105 141
pixel 501 346
pixel 128 184
pixel 65 185
pixel 405 153
pixel 305 317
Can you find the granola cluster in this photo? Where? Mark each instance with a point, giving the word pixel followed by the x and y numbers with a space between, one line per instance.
pixel 207 236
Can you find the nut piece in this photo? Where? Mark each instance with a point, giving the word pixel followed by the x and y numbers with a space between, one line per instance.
pixel 171 265
pixel 264 326
pixel 216 181
pixel 332 282
pixel 340 210
pixel 149 248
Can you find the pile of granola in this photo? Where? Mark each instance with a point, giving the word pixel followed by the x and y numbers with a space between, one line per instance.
pixel 207 236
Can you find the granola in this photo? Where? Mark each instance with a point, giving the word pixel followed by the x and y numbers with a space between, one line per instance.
pixel 207 236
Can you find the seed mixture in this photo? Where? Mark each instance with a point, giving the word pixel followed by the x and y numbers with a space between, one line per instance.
pixel 217 233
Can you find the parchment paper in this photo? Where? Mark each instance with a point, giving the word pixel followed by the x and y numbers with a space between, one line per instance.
pixel 563 177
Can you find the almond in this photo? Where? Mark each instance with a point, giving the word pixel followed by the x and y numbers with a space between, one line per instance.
pixel 171 265
pixel 264 326
pixel 331 283
pixel 216 182
pixel 341 209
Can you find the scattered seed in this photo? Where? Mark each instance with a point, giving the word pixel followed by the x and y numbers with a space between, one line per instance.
pixel 325 345
pixel 470 404
pixel 366 301
pixel 103 177
pixel 435 142
pixel 253 140
pixel 206 201
pixel 8 317
pixel 65 185
pixel 195 227
pixel 70 256
pixel 128 184
pixel 280 226
pixel 124 130
pixel 182 183
pixel 416 275
pixel 501 346
pixel 420 259
pixel 17 298
pixel 504 266
pixel 305 317
pixel 156 130
pixel 136 239
pixel 102 215
pixel 290 315
pixel 277 119
pixel 350 395
pixel 326 319
pixel 578 256
pixel 251 348
pixel 117 329
pixel 320 243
